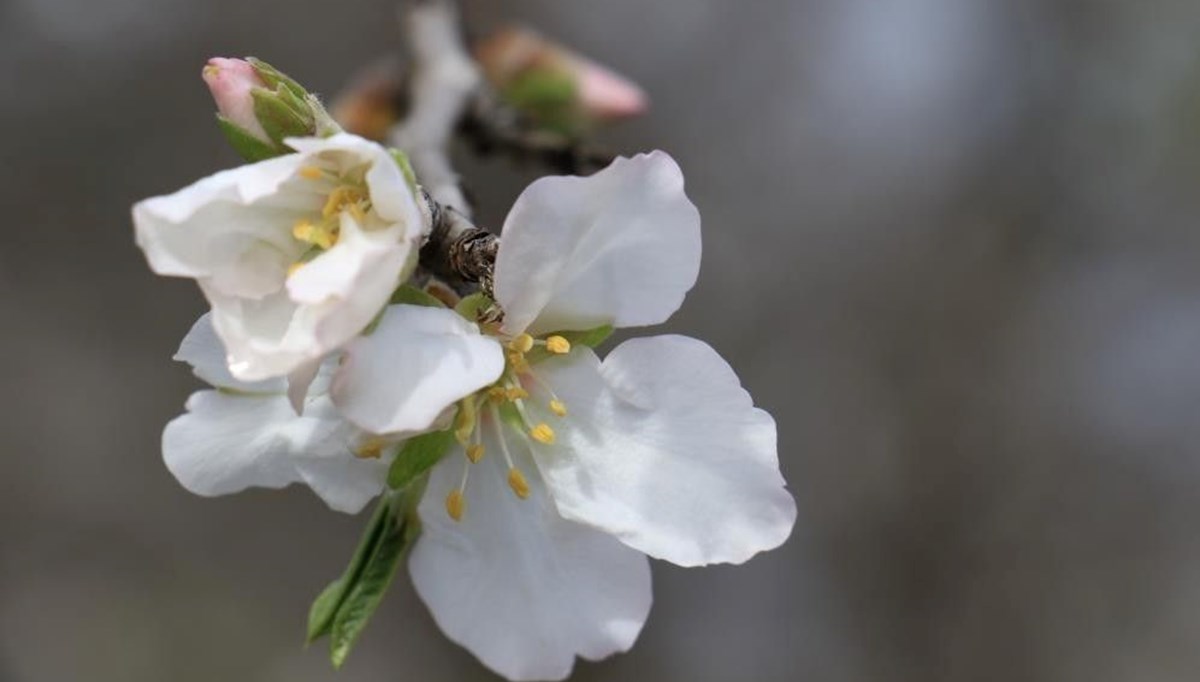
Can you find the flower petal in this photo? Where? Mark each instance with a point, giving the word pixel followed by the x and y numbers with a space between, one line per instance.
pixel 226 443
pixel 520 587
pixel 232 228
pixel 390 195
pixel 620 247
pixel 414 365
pixel 203 350
pixel 663 448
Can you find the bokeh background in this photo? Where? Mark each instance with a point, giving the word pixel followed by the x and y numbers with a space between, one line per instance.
pixel 951 245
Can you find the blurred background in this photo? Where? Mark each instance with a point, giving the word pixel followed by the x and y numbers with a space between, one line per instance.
pixel 951 245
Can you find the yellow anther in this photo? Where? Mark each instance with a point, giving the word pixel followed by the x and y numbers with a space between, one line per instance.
pixel 521 344
pixel 456 505
pixel 293 268
pixel 475 452
pixel 516 481
pixel 464 421
pixel 371 449
pixel 558 408
pixel 518 362
pixel 558 345
pixel 516 393
pixel 357 212
pixel 339 199
pixel 310 173
pixel 542 433
pixel 497 394
pixel 304 231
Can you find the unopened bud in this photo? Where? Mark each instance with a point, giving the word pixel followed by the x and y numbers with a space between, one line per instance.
pixel 260 107
pixel 556 87
pixel 231 81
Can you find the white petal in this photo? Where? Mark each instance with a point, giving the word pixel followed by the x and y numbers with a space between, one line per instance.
pixel 520 587
pixel 663 448
pixel 298 383
pixel 226 443
pixel 620 247
pixel 416 363
pixel 203 350
pixel 232 228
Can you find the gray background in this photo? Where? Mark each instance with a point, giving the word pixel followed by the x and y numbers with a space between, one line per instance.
pixel 950 244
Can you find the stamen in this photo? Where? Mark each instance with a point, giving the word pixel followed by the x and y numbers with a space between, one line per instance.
pixel 542 433
pixel 456 505
pixel 518 362
pixel 303 230
pixel 465 420
pixel 558 408
pixel 497 394
pixel 475 452
pixel 516 481
pixel 516 393
pixel 371 449
pixel 521 344
pixel 310 173
pixel 558 345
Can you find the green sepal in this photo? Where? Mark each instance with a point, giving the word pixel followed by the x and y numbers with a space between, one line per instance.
pixel 279 117
pixel 407 293
pixel 418 455
pixel 588 337
pixel 273 77
pixel 472 307
pixel 406 169
pixel 245 143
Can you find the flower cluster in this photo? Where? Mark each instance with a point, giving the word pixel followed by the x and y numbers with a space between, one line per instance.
pixel 559 472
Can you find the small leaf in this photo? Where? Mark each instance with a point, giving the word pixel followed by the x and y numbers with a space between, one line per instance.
pixel 407 293
pixel 399 532
pixel 418 455
pixel 325 606
pixel 246 144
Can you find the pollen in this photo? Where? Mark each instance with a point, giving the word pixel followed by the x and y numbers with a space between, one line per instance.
pixel 303 230
pixel 310 173
pixel 497 394
pixel 516 481
pixel 313 234
pixel 543 434
pixel 558 408
pixel 558 345
pixel 475 452
pixel 521 344
pixel 518 362
pixel 339 199
pixel 456 505
pixel 516 393
pixel 371 449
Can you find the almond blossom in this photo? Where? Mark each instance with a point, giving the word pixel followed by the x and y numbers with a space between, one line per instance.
pixel 295 254
pixel 571 470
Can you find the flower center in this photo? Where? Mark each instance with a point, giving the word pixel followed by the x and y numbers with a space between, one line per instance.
pixel 345 193
pixel 508 408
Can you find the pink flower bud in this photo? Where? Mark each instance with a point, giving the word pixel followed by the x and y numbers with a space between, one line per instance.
pixel 230 81
pixel 600 93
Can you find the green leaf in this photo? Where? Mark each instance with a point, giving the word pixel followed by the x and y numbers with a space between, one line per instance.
pixel 325 607
pixel 472 306
pixel 407 293
pixel 245 143
pixel 401 159
pixel 418 455
pixel 278 118
pixel 400 530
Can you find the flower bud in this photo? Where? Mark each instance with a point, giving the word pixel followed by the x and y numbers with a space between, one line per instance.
pixel 231 82
pixel 556 87
pixel 259 107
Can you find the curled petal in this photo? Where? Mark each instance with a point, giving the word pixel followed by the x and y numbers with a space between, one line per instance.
pixel 417 362
pixel 620 247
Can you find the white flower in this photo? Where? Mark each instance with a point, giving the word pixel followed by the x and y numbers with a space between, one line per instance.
pixel 655 451
pixel 247 434
pixel 295 254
